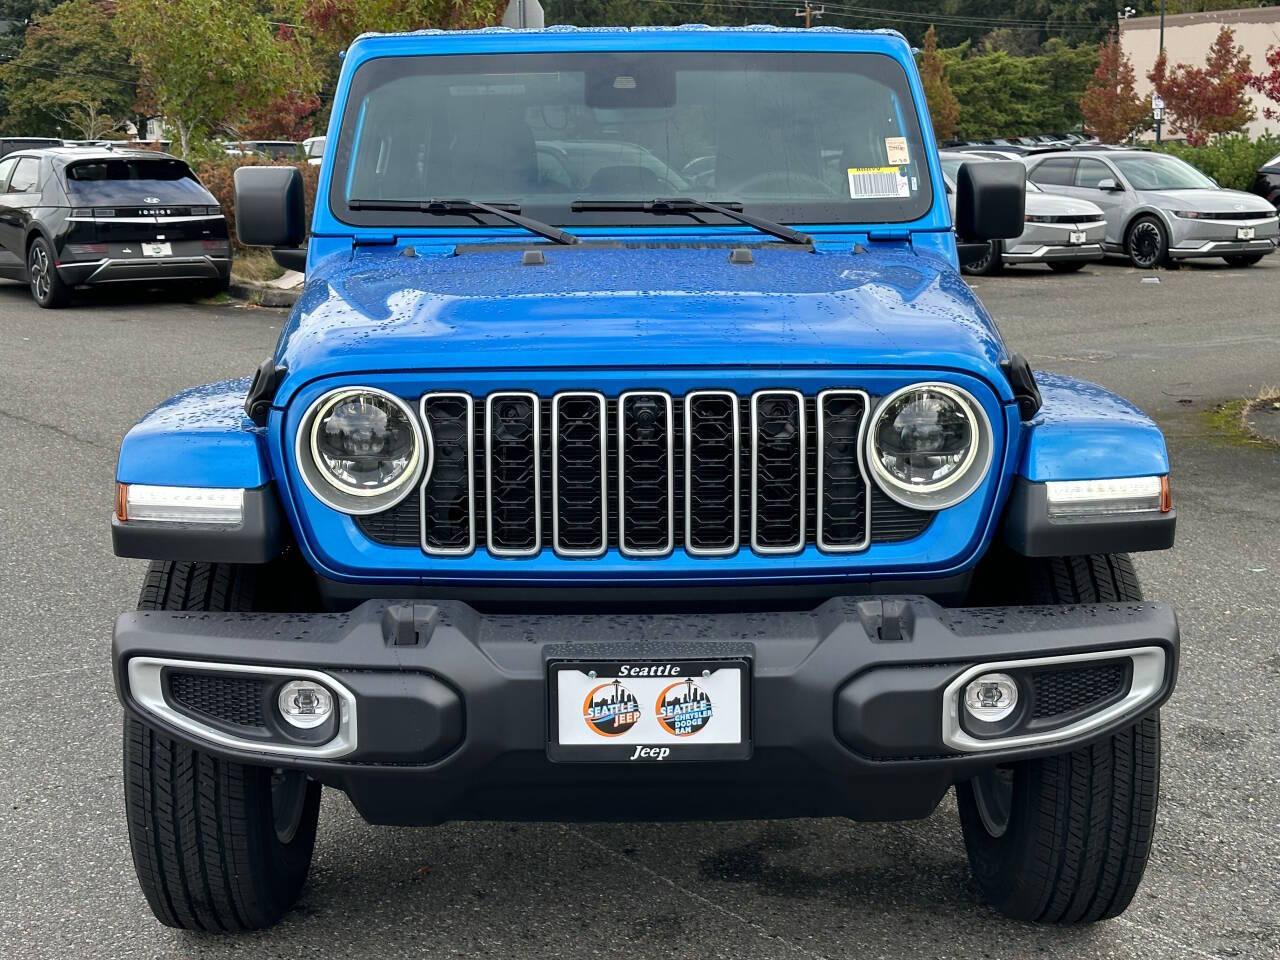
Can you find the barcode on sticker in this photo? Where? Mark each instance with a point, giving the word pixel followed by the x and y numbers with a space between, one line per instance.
pixel 870 183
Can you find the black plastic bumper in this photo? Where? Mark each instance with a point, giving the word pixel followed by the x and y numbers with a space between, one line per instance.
pixel 846 701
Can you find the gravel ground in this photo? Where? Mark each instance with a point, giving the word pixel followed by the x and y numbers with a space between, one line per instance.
pixel 75 380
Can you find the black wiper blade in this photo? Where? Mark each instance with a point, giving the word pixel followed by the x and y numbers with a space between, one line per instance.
pixel 686 205
pixel 440 208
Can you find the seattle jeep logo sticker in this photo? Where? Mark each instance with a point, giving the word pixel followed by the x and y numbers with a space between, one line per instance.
pixel 611 709
pixel 684 708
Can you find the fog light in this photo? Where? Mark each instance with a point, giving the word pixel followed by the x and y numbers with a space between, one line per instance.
pixel 305 704
pixel 991 697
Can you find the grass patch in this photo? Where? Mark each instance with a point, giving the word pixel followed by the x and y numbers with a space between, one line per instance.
pixel 1230 421
pixel 255 266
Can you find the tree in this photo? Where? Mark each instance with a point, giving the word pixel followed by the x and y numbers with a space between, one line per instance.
pixel 335 23
pixel 1268 84
pixel 206 64
pixel 71 73
pixel 1112 109
pixel 944 108
pixel 1209 100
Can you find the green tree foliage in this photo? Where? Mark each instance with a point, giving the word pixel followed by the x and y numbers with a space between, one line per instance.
pixel 207 63
pixel 72 76
pixel 1112 110
pixel 1003 95
pixel 335 23
pixel 944 108
pixel 1232 159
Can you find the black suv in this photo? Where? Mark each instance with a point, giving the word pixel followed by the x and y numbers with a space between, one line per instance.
pixel 74 217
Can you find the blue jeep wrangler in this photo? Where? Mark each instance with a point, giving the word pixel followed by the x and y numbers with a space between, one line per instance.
pixel 635 451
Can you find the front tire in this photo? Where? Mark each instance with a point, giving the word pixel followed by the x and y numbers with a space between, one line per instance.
pixel 217 845
pixel 1064 839
pixel 47 288
pixel 1147 243
pixel 989 265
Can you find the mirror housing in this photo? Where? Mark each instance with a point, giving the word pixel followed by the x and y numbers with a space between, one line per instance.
pixel 991 200
pixel 270 208
pixel 1109 185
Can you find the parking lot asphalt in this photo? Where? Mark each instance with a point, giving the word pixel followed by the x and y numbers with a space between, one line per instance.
pixel 72 383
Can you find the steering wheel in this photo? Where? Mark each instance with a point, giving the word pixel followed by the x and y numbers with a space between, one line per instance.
pixel 781 176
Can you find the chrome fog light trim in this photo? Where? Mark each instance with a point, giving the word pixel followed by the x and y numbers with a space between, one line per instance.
pixel 146 687
pixel 1146 683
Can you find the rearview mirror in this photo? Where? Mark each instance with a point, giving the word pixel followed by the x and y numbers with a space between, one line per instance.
pixel 1108 185
pixel 270 210
pixel 991 200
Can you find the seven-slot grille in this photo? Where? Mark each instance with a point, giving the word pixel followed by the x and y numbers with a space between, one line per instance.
pixel 647 473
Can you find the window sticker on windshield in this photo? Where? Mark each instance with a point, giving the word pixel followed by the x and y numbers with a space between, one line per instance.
pixel 877 183
pixel 896 151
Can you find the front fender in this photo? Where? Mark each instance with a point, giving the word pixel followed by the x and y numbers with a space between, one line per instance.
pixel 201 438
pixel 1085 432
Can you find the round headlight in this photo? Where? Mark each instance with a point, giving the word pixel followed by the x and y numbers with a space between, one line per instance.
pixel 360 449
pixel 929 445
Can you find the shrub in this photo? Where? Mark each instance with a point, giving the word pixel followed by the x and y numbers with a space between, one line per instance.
pixel 1232 159
pixel 218 172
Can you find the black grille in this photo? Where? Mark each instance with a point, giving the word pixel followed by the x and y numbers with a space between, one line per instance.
pixel 779 425
pixel 513 422
pixel 1066 691
pixel 659 438
pixel 578 434
pixel 645 441
pixel 843 503
pixel 447 496
pixel 711 440
pixel 232 700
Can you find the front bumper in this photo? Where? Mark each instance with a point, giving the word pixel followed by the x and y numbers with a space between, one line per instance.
pixel 1052 242
pixel 851 712
pixel 1191 249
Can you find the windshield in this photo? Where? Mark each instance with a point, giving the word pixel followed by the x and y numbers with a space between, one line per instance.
pixel 1155 172
pixel 798 137
pixel 123 181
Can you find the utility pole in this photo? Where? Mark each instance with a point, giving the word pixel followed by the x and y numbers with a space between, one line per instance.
pixel 810 13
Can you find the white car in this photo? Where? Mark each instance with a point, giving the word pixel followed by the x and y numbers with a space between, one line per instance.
pixel 1064 233
pixel 313 147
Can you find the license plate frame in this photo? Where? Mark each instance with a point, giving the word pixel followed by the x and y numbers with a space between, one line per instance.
pixel 649 739
pixel 1246 233
pixel 157 249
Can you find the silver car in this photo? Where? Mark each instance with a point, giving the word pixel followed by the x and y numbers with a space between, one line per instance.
pixel 1161 209
pixel 1063 233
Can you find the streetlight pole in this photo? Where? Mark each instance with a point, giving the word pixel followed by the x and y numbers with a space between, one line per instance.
pixel 1159 113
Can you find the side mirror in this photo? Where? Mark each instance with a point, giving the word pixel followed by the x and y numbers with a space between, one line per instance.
pixel 271 212
pixel 991 200
pixel 1108 185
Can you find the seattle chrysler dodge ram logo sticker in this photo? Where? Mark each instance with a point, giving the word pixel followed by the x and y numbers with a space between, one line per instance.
pixel 611 709
pixel 684 708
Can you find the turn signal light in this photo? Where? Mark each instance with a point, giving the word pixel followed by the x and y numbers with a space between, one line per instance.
pixel 213 505
pixel 1070 499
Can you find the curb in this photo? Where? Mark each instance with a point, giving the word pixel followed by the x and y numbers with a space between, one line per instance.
pixel 263 294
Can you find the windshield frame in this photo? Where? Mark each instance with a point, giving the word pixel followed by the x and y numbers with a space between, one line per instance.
pixel 375 71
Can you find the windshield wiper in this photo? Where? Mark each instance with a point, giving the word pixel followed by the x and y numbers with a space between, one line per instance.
pixel 663 206
pixel 441 208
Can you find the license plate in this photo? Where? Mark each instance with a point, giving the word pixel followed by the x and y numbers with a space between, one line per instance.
pixel 1079 237
pixel 649 711
pixel 157 250
pixel 1245 233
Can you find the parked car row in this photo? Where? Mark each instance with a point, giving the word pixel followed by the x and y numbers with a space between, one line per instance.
pixel 1152 208
pixel 87 216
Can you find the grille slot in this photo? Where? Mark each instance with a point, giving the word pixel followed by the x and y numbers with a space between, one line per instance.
pixel 646 475
pixel 843 502
pixel 522 464
pixel 230 700
pixel 579 481
pixel 448 497
pixel 1066 691
pixel 712 452
pixel 778 471
pixel 513 474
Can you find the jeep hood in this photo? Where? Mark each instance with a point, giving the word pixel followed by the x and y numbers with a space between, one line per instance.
pixel 653 306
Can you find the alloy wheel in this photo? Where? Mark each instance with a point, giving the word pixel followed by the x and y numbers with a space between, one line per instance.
pixel 288 799
pixel 1144 244
pixel 993 796
pixel 39 272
